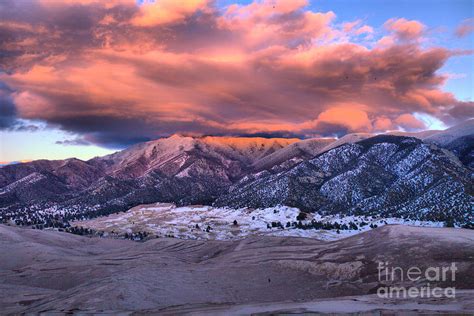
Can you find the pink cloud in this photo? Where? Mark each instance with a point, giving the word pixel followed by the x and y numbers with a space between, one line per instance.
pixel 349 115
pixel 465 28
pixel 356 28
pixel 409 122
pixel 154 13
pixel 383 124
pixel 405 29
pixel 123 72
pixel 276 22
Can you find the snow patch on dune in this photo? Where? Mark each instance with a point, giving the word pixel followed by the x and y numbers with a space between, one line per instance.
pixel 207 222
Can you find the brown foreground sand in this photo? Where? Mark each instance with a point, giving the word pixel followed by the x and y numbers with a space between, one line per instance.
pixel 43 271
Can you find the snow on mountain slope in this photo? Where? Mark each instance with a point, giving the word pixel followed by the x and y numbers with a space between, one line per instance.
pixel 180 169
pixel 35 186
pixel 157 151
pixel 458 139
pixel 72 172
pixel 347 139
pixel 449 135
pixel 423 135
pixel 308 148
pixel 388 175
pixel 248 148
pixel 420 135
pixel 297 151
pixel 199 170
pixel 172 153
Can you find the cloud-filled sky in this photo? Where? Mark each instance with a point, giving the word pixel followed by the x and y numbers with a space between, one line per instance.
pixel 83 77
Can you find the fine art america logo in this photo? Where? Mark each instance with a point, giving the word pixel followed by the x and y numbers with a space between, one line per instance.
pixel 397 275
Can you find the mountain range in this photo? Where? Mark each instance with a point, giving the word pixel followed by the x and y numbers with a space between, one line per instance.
pixel 427 175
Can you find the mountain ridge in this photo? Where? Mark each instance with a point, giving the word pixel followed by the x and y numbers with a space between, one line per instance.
pixel 205 170
pixel 341 179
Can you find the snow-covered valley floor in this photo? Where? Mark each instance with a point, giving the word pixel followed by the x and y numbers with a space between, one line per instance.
pixel 207 222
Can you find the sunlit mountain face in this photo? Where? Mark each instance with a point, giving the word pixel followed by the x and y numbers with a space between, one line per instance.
pixel 84 78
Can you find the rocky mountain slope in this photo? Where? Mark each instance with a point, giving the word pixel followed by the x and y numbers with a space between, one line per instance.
pixel 459 139
pixel 179 169
pixel 171 168
pixel 358 173
pixel 388 175
pixel 293 153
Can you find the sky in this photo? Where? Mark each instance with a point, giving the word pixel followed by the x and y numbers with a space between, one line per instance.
pixel 83 78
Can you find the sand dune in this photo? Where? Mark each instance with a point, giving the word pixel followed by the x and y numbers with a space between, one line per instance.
pixel 51 271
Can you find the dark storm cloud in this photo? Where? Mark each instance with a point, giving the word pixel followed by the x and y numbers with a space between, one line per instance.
pixel 7 112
